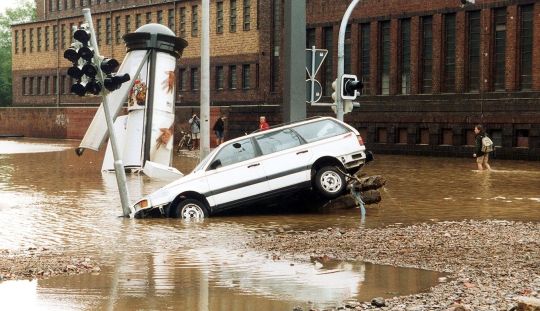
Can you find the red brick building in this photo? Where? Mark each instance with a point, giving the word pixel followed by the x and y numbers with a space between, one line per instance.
pixel 432 69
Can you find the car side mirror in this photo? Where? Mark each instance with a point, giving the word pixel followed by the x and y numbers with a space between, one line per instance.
pixel 215 164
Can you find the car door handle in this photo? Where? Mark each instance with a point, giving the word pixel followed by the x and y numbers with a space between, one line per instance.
pixel 303 151
pixel 253 165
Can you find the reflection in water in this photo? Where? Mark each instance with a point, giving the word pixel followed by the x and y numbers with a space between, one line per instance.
pixel 58 200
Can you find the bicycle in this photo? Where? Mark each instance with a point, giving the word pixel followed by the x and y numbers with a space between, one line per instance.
pixel 185 141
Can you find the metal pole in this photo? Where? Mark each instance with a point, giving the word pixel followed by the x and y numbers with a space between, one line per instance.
pixel 118 165
pixel 341 58
pixel 312 74
pixel 294 87
pixel 205 80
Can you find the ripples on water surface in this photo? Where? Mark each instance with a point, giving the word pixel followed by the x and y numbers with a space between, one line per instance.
pixel 49 197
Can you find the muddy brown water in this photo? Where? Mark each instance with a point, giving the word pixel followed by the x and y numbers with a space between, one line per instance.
pixel 51 198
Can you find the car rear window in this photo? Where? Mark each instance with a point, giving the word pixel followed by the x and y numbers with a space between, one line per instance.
pixel 277 141
pixel 320 130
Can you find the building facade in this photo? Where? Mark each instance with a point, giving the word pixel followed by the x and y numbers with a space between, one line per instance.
pixel 431 69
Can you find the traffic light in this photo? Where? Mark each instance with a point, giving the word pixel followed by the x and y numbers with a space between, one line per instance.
pixel 350 86
pixel 334 95
pixel 91 73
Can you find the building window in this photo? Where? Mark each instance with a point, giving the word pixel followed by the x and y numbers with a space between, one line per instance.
pixel 232 77
pixel 59 5
pixel 117 29
pixel 310 38
pixel 245 76
pixel 402 136
pixel 138 20
pixel 276 45
pixel 128 23
pixel 47 40
pixel 427 54
pixel 47 89
pixel 160 17
pixel 232 17
pixel 405 56
pixel 423 136
pixel 182 22
pixel 328 77
pixel 194 21
pixel 473 52
pixel 24 40
pixel 449 69
pixel 63 35
pixel 72 4
pixel 183 79
pixel 522 138
pixel 170 21
pixel 499 55
pixel 447 137
pixel 55 85
pixel 219 17
pixel 71 31
pixel 219 78
pixel 98 31
pixel 365 60
pixel 16 35
pixel 496 137
pixel 525 46
pixel 384 62
pixel 63 84
pixel 347 50
pixel 382 135
pixel 38 85
pixel 55 37
pixel 31 86
pixel 24 88
pixel 108 31
pixel 194 79
pixel 31 40
pixel 247 15
pixel 39 42
pixel 148 17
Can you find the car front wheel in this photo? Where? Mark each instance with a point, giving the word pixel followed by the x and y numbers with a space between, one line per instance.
pixel 330 182
pixel 190 209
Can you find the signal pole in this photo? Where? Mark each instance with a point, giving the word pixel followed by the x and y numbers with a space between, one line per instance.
pixel 118 164
pixel 205 80
pixel 341 58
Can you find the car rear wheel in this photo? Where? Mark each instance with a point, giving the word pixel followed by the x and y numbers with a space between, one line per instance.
pixel 190 209
pixel 330 182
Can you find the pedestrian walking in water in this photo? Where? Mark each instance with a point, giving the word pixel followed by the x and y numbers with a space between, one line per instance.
pixel 482 149
pixel 195 124
pixel 219 128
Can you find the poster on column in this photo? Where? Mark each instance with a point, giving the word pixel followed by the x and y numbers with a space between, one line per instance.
pixel 161 146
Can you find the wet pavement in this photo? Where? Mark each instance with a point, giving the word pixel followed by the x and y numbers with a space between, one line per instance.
pixel 51 198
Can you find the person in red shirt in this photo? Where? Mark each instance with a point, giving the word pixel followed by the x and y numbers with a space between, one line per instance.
pixel 263 125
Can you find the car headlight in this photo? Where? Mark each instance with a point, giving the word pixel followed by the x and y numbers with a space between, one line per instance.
pixel 144 203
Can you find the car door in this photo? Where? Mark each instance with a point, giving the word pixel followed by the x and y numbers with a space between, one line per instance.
pixel 286 159
pixel 236 175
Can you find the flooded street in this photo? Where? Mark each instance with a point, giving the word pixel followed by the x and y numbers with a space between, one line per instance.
pixel 51 198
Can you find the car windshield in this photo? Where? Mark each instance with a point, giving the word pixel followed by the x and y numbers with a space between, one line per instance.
pixel 204 161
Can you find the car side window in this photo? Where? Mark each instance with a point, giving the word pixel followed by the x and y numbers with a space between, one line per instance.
pixel 236 152
pixel 278 141
pixel 320 130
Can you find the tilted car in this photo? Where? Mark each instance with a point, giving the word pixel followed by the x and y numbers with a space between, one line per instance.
pixel 310 154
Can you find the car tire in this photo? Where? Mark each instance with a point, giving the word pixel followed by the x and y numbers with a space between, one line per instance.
pixel 330 182
pixel 190 209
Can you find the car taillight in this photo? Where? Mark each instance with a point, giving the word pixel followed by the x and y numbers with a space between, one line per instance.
pixel 360 140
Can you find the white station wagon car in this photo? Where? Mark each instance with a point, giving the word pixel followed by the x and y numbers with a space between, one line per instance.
pixel 309 154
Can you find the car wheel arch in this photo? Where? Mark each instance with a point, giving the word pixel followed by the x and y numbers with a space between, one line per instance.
pixel 188 195
pixel 325 161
